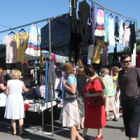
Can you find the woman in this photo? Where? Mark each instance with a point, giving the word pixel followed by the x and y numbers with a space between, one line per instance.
pixel 69 116
pixel 2 87
pixel 94 116
pixel 115 71
pixel 109 93
pixel 14 104
pixel 81 81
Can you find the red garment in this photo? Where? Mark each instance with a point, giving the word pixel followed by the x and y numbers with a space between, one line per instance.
pixel 26 107
pixel 138 60
pixel 94 116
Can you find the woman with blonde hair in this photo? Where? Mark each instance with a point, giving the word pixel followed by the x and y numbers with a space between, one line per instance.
pixel 69 116
pixel 14 104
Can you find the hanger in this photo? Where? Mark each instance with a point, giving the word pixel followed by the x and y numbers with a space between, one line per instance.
pixel 111 15
pixel 22 30
pixel 11 33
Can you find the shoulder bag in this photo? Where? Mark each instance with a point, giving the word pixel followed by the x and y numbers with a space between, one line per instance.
pixel 70 96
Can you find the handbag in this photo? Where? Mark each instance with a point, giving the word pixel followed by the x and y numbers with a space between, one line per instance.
pixel 95 101
pixel 70 96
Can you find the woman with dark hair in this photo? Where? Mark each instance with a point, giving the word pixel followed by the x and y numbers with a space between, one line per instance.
pixel 94 115
pixel 69 116
pixel 81 82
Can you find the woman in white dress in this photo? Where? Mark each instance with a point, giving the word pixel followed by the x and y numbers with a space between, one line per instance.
pixel 14 104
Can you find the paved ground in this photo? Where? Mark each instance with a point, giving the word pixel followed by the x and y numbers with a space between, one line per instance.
pixel 113 130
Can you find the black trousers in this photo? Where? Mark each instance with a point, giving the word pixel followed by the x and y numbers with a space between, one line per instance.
pixel 131 116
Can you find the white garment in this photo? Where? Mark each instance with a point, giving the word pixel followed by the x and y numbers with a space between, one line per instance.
pixel 121 32
pixel 127 37
pixel 11 49
pixel 3 97
pixel 33 47
pixel 90 50
pixel 14 104
pixel 111 36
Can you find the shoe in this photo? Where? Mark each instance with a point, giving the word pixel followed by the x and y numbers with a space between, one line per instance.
pixel 115 120
pixel 96 138
pixel 22 133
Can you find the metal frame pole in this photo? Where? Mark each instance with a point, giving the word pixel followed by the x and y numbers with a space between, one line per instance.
pixel 51 84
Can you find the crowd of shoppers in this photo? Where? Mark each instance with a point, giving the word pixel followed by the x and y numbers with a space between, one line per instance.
pixel 97 96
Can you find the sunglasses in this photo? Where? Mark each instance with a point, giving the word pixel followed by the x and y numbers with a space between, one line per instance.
pixel 127 61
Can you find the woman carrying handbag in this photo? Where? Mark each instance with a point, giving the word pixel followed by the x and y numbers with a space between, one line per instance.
pixel 94 104
pixel 69 116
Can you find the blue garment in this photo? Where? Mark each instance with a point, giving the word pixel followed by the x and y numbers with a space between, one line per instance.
pixel 71 79
pixel 106 28
pixel 46 82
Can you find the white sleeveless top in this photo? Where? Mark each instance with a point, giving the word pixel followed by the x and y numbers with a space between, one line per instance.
pixel 15 87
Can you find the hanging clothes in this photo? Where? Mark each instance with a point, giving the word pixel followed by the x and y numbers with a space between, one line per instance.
pixel 104 58
pixel 84 15
pixel 11 49
pixel 124 35
pixel 74 17
pixel 116 31
pixel 33 48
pixel 111 36
pixel 121 32
pixel 22 40
pixel 99 45
pixel 100 25
pixel 127 43
pixel 132 36
pixel 93 23
pixel 70 7
pixel 51 81
pixel 106 28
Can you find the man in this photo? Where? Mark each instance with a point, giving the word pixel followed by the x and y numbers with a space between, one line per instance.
pixel 128 81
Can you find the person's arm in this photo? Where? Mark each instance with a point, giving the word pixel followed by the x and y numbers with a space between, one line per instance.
pixel 117 90
pixel 24 88
pixel 7 90
pixel 2 86
pixel 93 95
pixel 71 88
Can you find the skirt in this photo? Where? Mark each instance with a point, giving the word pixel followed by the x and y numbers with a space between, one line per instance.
pixel 81 106
pixel 69 115
pixel 14 108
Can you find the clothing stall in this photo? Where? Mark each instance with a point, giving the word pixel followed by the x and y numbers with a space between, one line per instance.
pixel 50 47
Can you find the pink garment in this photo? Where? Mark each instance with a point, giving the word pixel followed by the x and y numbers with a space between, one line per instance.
pixel 124 36
pixel 11 49
pixel 54 58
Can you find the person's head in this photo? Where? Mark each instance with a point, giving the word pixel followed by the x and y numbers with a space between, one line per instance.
pixel 115 70
pixel 15 74
pixel 126 61
pixel 68 68
pixel 80 72
pixel 1 71
pixel 104 71
pixel 89 71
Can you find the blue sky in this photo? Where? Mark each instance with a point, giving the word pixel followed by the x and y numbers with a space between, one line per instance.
pixel 17 12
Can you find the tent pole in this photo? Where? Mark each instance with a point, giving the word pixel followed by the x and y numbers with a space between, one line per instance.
pixel 51 84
